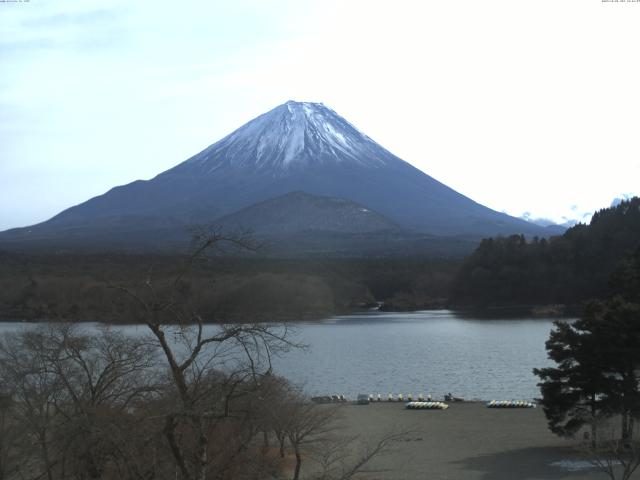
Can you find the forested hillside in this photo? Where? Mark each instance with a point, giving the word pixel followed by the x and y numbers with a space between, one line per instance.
pixel 85 287
pixel 567 269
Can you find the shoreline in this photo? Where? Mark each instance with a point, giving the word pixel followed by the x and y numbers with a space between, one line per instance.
pixel 489 313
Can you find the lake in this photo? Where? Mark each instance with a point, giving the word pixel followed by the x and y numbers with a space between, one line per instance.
pixel 430 352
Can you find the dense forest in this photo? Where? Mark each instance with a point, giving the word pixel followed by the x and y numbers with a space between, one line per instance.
pixel 564 270
pixel 221 288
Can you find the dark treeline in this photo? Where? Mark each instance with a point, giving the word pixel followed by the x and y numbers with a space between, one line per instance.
pixel 84 287
pixel 567 269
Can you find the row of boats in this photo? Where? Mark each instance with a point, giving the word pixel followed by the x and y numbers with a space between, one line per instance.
pixel 421 402
pixel 427 406
pixel 491 404
pixel 399 398
pixel 510 404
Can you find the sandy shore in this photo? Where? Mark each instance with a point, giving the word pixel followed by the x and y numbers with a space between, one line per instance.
pixel 467 441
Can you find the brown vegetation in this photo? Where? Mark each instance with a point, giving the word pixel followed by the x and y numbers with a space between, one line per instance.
pixel 186 400
pixel 229 289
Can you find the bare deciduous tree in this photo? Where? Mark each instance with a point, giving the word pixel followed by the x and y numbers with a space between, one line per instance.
pixel 309 424
pixel 346 457
pixel 72 396
pixel 210 366
pixel 9 439
pixel 609 452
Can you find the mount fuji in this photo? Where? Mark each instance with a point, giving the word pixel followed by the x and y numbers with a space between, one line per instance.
pixel 296 147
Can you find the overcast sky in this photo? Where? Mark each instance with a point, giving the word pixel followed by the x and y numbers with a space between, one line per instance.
pixel 524 106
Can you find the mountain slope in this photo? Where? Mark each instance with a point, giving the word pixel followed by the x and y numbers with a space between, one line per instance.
pixel 298 224
pixel 295 147
pixel 297 212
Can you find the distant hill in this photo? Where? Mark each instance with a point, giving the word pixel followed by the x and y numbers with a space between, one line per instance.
pixel 567 269
pixel 550 226
pixel 296 212
pixel 553 230
pixel 296 147
pixel 299 224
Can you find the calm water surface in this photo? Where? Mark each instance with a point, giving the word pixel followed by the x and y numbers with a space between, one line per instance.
pixel 431 352
pixel 424 352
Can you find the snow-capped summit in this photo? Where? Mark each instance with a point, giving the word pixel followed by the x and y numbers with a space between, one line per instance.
pixel 292 135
